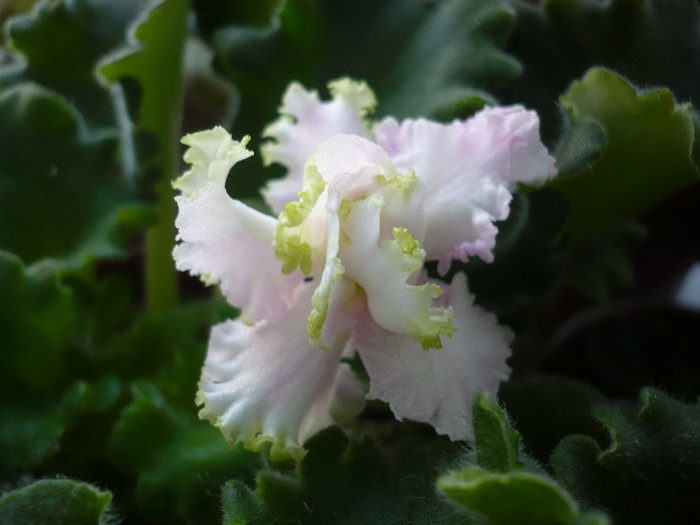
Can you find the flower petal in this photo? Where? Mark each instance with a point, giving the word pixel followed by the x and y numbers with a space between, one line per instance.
pixel 469 169
pixel 305 122
pixel 386 270
pixel 222 240
pixel 437 386
pixel 264 383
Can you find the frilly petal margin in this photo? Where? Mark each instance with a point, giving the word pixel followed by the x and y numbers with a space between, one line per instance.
pixel 437 386
pixel 393 300
pixel 305 122
pixel 221 239
pixel 264 384
pixel 469 169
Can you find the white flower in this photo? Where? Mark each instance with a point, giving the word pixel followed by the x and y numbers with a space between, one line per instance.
pixel 340 271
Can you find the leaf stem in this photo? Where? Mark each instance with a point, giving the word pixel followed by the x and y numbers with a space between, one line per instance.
pixel 161 275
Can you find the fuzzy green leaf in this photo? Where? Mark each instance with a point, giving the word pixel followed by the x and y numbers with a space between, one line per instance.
pixel 37 317
pixel 495 442
pixel 30 432
pixel 651 42
pixel 156 44
pixel 649 142
pixel 511 497
pixel 548 408
pixel 453 61
pixel 355 483
pixel 239 503
pixel 62 42
pixel 56 501
pixel 147 438
pixel 651 471
pixel 507 486
pixel 62 196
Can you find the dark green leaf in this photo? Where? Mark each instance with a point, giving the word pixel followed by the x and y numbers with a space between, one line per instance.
pixel 167 348
pixel 157 44
pixel 651 42
pixel 37 317
pixel 647 154
pixel 55 501
pixel 495 442
pixel 30 431
pixel 453 61
pixel 180 462
pixel 356 483
pixel 651 471
pixel 62 43
pixel 143 429
pixel 548 408
pixel 62 195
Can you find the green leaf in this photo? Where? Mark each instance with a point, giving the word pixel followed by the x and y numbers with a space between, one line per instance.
pixel 69 202
pixel 239 503
pixel 156 45
pixel 647 154
pixel 510 497
pixel 452 62
pixel 30 432
pixel 37 317
pixel 213 15
pixel 56 501
pixel 651 42
pixel 143 429
pixel 507 486
pixel 62 42
pixel 168 349
pixel 650 471
pixel 548 408
pixel 495 442
pixel 360 482
pixel 180 461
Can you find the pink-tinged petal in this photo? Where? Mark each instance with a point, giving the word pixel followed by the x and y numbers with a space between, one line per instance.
pixel 469 169
pixel 437 386
pixel 305 122
pixel 264 384
pixel 222 240
pixel 352 164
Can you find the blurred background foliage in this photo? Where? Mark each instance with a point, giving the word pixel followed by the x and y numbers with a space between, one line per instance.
pixel 101 342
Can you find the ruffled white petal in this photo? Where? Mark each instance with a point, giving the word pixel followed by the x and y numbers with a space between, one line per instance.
pixel 437 386
pixel 305 122
pixel 386 269
pixel 264 383
pixel 469 169
pixel 222 240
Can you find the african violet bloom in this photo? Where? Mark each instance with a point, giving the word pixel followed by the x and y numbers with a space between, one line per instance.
pixel 340 271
